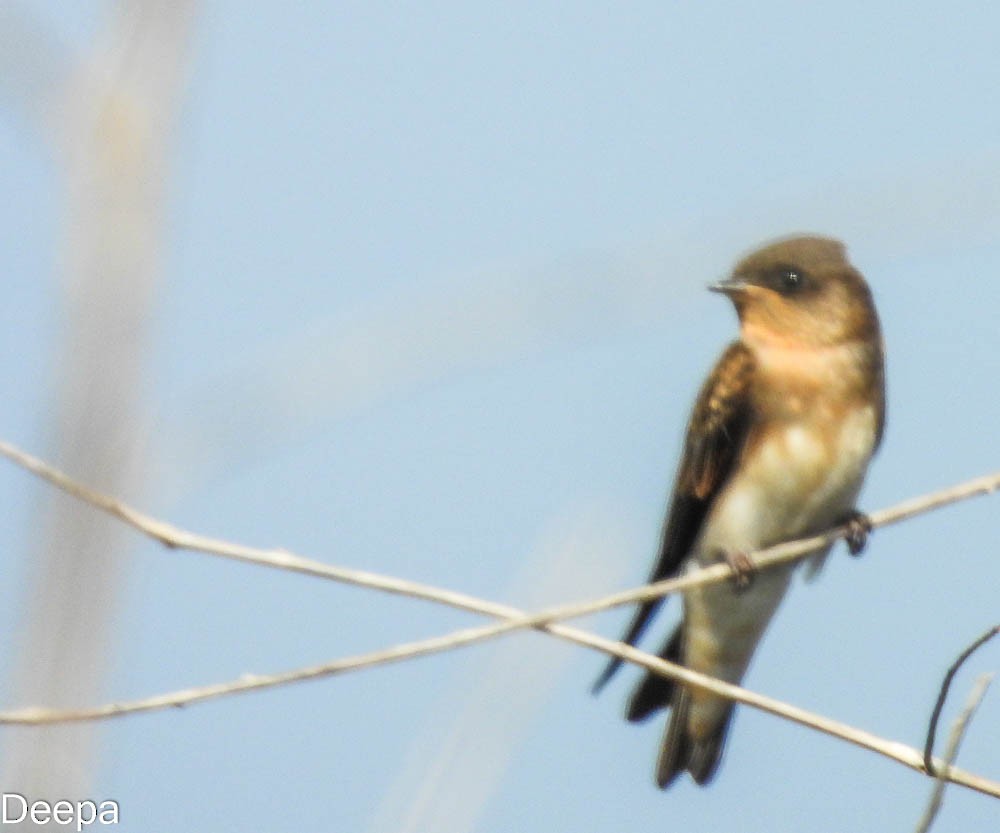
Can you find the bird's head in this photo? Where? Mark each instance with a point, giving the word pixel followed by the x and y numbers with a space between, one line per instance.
pixel 803 292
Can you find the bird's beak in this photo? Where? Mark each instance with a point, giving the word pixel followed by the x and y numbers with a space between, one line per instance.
pixel 731 286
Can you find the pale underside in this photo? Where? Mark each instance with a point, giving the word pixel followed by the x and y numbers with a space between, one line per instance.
pixel 798 478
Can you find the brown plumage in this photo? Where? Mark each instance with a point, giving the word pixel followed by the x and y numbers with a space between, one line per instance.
pixel 776 447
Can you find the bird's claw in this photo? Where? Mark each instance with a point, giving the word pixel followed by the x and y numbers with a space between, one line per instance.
pixel 858 527
pixel 744 570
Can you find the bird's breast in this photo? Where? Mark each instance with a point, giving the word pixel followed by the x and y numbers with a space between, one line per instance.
pixel 795 477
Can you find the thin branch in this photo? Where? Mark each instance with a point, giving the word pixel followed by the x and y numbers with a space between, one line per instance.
pixel 516 619
pixel 899 752
pixel 943 693
pixel 951 752
pixel 281 559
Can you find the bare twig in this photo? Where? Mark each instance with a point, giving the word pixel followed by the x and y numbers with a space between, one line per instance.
pixel 951 752
pixel 252 682
pixel 516 619
pixel 176 538
pixel 943 694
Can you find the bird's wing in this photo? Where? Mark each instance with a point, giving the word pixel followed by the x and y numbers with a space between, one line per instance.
pixel 716 434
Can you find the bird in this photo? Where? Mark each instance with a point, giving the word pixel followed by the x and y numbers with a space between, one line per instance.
pixel 777 446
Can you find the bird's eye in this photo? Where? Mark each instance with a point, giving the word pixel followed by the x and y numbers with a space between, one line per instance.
pixel 790 280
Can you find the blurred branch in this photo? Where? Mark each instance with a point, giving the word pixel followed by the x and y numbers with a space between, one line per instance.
pixel 109 111
pixel 516 619
pixel 951 752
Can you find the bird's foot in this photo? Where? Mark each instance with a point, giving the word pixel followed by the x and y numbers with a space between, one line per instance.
pixel 858 528
pixel 744 570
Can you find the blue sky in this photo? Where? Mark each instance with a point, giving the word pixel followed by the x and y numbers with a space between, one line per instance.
pixel 432 305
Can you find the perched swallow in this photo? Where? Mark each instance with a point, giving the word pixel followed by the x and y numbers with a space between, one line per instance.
pixel 776 448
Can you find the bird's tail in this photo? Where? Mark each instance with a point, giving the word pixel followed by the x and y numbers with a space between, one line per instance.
pixel 679 752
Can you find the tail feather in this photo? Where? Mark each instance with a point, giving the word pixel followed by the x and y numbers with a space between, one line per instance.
pixel 675 750
pixel 679 752
pixel 655 692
